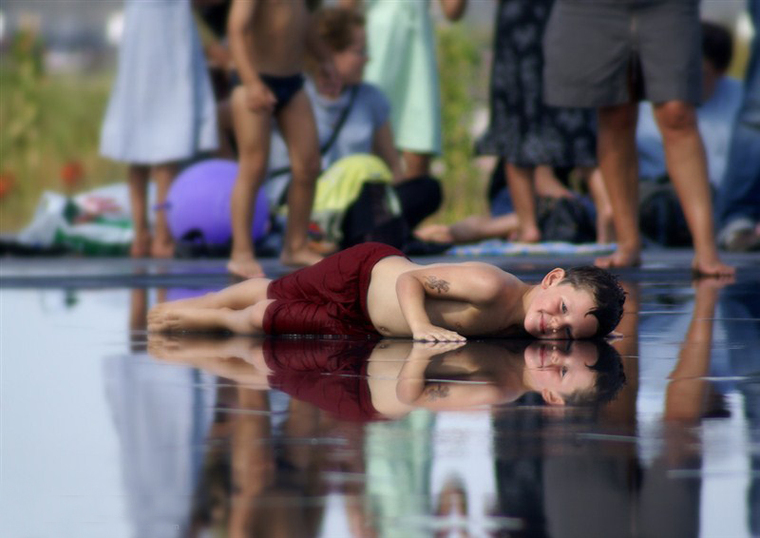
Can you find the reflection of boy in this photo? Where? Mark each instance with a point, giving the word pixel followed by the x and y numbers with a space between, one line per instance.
pixel 369 380
pixel 374 290
pixel 268 39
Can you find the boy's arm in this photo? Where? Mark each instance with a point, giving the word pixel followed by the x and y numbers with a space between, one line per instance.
pixel 473 284
pixel 240 35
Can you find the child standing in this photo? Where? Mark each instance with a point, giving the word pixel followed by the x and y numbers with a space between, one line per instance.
pixel 268 39
pixel 161 110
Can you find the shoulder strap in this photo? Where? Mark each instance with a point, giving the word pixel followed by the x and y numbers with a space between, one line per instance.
pixel 333 137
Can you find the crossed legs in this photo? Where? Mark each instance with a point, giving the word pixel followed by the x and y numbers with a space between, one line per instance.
pixel 238 309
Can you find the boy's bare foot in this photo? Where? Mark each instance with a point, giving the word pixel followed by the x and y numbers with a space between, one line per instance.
pixel 173 320
pixel 620 258
pixel 140 247
pixel 711 267
pixel 299 258
pixel 245 267
pixel 162 247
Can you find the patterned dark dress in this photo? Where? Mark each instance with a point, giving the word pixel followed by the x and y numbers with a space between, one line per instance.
pixel 522 129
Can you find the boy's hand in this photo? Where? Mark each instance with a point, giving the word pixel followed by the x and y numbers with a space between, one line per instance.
pixel 431 333
pixel 259 98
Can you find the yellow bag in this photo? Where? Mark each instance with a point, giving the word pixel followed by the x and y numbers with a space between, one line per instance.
pixel 339 186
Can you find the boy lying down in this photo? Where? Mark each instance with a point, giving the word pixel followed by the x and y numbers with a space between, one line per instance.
pixel 374 290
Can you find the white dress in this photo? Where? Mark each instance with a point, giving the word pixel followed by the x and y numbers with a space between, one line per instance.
pixel 162 106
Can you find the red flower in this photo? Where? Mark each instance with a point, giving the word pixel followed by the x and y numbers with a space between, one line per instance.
pixel 72 173
pixel 7 182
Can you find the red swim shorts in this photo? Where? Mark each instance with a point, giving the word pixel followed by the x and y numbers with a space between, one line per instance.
pixel 331 374
pixel 328 298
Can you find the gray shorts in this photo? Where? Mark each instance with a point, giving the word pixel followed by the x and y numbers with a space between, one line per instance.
pixel 602 53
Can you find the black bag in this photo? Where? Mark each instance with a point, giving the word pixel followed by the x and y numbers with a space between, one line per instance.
pixel 661 218
pixel 375 216
pixel 564 219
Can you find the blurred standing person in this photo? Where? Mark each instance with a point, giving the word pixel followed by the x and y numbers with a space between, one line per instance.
pixel 269 40
pixel 608 55
pixel 161 110
pixel 402 63
pixel 531 136
pixel 738 203
pixel 354 122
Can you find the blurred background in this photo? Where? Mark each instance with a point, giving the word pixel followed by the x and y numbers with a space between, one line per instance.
pixel 57 60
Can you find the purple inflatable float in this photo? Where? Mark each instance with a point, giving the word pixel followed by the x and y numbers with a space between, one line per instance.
pixel 199 200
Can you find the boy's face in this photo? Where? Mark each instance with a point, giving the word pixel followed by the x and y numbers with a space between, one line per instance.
pixel 560 311
pixel 560 368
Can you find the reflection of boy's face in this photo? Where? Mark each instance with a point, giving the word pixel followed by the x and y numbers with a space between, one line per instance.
pixel 560 368
pixel 560 311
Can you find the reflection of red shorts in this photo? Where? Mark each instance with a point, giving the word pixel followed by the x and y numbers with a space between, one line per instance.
pixel 330 374
pixel 329 297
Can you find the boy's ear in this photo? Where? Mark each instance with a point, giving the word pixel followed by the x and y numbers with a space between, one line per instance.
pixel 552 398
pixel 553 277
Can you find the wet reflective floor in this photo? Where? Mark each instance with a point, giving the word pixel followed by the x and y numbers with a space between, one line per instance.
pixel 108 431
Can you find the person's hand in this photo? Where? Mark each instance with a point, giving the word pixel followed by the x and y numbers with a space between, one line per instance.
pixel 259 98
pixel 329 80
pixel 431 333
pixel 431 349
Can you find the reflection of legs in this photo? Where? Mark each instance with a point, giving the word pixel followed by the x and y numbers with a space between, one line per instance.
pixel 162 245
pixel 138 201
pixel 253 465
pixel 520 181
pixel 299 129
pixel 616 149
pixel 252 132
pixel 687 167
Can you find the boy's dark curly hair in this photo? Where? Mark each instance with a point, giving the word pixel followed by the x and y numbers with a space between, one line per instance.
pixel 610 377
pixel 609 295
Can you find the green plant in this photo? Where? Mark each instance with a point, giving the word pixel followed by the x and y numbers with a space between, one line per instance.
pixel 48 126
pixel 459 59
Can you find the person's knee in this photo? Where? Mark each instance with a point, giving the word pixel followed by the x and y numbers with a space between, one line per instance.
pixel 256 315
pixel 676 117
pixel 306 168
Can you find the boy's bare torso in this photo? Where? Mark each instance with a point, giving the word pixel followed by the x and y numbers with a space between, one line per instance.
pixel 493 319
pixel 279 36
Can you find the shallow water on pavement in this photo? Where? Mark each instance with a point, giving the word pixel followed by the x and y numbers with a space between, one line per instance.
pixel 107 432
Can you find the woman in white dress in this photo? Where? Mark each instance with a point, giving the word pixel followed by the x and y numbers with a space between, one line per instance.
pixel 161 110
